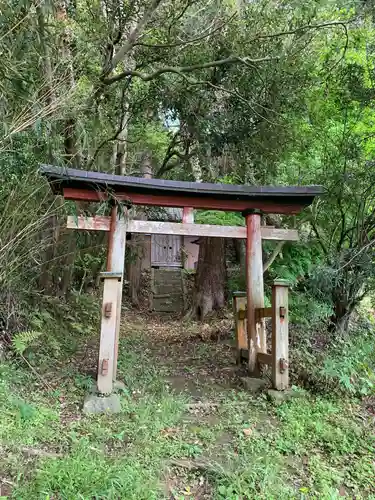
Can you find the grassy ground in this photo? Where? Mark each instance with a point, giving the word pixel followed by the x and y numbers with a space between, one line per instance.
pixel 186 429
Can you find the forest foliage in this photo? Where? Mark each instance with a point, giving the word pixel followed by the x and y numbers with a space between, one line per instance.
pixel 259 92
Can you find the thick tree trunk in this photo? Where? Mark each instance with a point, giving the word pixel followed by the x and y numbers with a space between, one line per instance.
pixel 342 312
pixel 48 235
pixel 71 143
pixel 209 294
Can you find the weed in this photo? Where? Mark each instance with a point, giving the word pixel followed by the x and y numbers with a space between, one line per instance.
pixel 311 447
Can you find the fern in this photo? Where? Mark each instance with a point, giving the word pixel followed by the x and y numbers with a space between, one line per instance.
pixel 26 411
pixel 22 340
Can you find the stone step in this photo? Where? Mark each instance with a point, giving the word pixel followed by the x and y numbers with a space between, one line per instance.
pixel 167 280
pixel 167 290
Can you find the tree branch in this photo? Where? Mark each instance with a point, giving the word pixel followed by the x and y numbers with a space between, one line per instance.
pixel 240 97
pixel 185 42
pixel 306 27
pixel 171 152
pixel 273 256
pixel 115 135
pixel 181 70
pixel 133 36
pixel 319 238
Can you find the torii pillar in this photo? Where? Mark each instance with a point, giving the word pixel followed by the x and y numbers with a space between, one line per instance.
pixel 256 334
pixel 112 301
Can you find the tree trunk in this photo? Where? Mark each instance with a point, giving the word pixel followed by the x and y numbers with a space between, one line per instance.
pixel 68 264
pixel 47 94
pixel 240 252
pixel 342 312
pixel 71 148
pixel 209 294
pixel 122 146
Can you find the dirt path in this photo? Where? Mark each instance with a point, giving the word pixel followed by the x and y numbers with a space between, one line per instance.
pixel 197 359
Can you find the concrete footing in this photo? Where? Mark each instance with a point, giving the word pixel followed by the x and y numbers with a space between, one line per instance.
pixel 95 403
pixel 101 403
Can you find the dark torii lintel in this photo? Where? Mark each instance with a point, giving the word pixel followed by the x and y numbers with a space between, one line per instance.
pixel 96 186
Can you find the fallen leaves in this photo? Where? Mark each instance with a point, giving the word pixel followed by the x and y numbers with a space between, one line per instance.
pixel 170 432
pixel 248 431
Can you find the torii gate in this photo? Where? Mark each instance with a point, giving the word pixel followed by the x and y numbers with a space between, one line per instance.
pixel 249 200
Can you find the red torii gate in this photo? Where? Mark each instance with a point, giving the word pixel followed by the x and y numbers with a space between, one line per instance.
pixel 249 200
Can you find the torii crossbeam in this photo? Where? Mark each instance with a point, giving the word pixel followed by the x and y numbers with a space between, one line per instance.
pixel 249 200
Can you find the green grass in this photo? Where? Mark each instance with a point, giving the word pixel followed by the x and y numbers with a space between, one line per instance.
pixel 311 447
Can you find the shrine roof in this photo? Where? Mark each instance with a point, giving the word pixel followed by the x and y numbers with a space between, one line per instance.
pixel 91 186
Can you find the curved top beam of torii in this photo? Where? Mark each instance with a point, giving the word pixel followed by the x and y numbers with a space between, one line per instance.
pixel 96 186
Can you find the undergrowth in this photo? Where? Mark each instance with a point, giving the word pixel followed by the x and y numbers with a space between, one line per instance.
pixel 47 320
pixel 325 361
pixel 318 446
pixel 343 365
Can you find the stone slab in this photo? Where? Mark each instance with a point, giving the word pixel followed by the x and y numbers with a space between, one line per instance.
pixel 94 404
pixel 254 385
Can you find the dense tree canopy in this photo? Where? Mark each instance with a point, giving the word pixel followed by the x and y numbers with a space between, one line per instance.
pixel 247 92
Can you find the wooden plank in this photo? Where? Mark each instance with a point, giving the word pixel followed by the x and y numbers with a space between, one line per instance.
pixel 256 335
pixel 166 250
pixel 278 234
pixel 239 305
pixel 284 206
pixel 280 355
pixel 97 223
pixel 182 229
pixel 264 312
pixel 264 359
pixel 107 337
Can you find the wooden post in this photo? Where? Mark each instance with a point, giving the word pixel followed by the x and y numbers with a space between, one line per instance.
pixel 280 355
pixel 239 304
pixel 256 335
pixel 188 215
pixel 187 218
pixel 115 264
pixel 116 261
pixel 108 332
